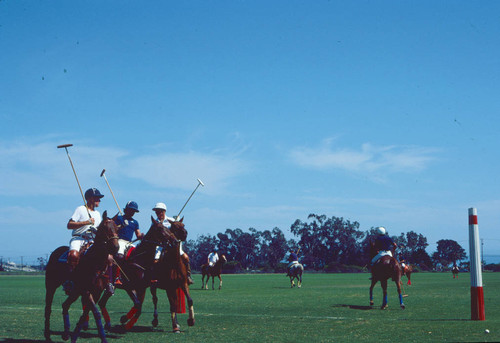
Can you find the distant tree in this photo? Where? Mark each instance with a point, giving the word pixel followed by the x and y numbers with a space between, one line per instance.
pixel 325 240
pixel 412 249
pixel 448 252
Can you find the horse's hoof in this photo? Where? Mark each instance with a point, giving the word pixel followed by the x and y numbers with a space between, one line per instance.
pixel 384 307
pixel 371 303
pixel 190 322
pixel 154 322
pixel 403 306
pixel 177 330
pixel 65 336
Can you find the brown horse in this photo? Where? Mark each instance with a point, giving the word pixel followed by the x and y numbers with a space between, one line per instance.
pixel 171 275
pixel 212 271
pixel 140 269
pixel 387 267
pixel 455 271
pixel 88 277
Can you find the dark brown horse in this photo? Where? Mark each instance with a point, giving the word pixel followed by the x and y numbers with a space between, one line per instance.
pixel 212 271
pixel 455 271
pixel 387 267
pixel 89 279
pixel 140 268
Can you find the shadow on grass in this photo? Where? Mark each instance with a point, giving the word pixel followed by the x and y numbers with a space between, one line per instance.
pixel 354 307
pixel 12 340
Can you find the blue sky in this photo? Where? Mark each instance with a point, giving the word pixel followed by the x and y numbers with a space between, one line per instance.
pixel 385 113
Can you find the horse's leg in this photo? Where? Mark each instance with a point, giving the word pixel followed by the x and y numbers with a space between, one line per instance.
pixel 202 280
pixel 133 315
pixel 90 305
pixel 398 285
pixel 383 283
pixel 86 322
pixel 185 289
pixel 50 289
pixel 80 323
pixel 65 312
pixel 102 305
pixel 220 282
pixel 155 304
pixel 299 281
pixel 213 282
pixel 374 281
pixel 172 299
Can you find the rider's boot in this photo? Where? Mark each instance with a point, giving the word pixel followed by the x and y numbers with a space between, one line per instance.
pixel 73 257
pixel 110 287
pixel 185 259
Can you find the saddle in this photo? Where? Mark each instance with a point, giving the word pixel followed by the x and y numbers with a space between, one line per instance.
pixel 64 257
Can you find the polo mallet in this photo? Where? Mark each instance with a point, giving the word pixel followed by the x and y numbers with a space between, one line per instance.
pixel 66 146
pixel 116 202
pixel 199 183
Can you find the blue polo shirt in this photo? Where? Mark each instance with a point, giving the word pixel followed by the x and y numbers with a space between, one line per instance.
pixel 127 231
pixel 384 243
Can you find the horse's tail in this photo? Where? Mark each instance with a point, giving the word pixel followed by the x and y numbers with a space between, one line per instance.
pixel 396 270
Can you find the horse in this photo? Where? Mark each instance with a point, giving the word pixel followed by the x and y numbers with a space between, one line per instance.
pixel 387 267
pixel 295 272
pixel 212 271
pixel 455 271
pixel 406 271
pixel 89 279
pixel 139 271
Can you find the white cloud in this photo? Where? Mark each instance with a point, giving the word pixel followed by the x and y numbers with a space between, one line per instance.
pixel 180 170
pixel 32 168
pixel 367 159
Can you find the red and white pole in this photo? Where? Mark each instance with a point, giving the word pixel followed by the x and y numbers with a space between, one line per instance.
pixel 476 278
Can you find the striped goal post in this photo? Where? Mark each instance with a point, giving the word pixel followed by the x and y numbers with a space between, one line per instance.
pixel 476 278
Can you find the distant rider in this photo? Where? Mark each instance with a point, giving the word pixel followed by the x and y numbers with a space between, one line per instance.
pixel 293 259
pixel 212 258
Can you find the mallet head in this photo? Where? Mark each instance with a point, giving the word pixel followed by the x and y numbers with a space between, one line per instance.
pixel 201 182
pixel 102 173
pixel 64 146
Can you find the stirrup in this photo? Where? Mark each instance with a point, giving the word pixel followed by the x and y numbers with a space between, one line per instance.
pixel 110 288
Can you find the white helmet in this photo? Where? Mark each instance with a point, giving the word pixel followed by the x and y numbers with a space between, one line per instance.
pixel 381 230
pixel 160 206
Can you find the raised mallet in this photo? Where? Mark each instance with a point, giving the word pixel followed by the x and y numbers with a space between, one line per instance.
pixel 66 146
pixel 199 183
pixel 116 202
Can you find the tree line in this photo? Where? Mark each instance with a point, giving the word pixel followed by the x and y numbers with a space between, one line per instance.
pixel 324 243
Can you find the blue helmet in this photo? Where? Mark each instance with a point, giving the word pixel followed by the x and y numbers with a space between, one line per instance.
pixel 92 192
pixel 132 205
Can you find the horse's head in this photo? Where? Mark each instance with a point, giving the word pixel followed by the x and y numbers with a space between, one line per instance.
pixel 107 233
pixel 158 233
pixel 177 228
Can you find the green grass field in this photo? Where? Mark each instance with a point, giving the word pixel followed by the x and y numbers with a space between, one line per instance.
pixel 263 308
